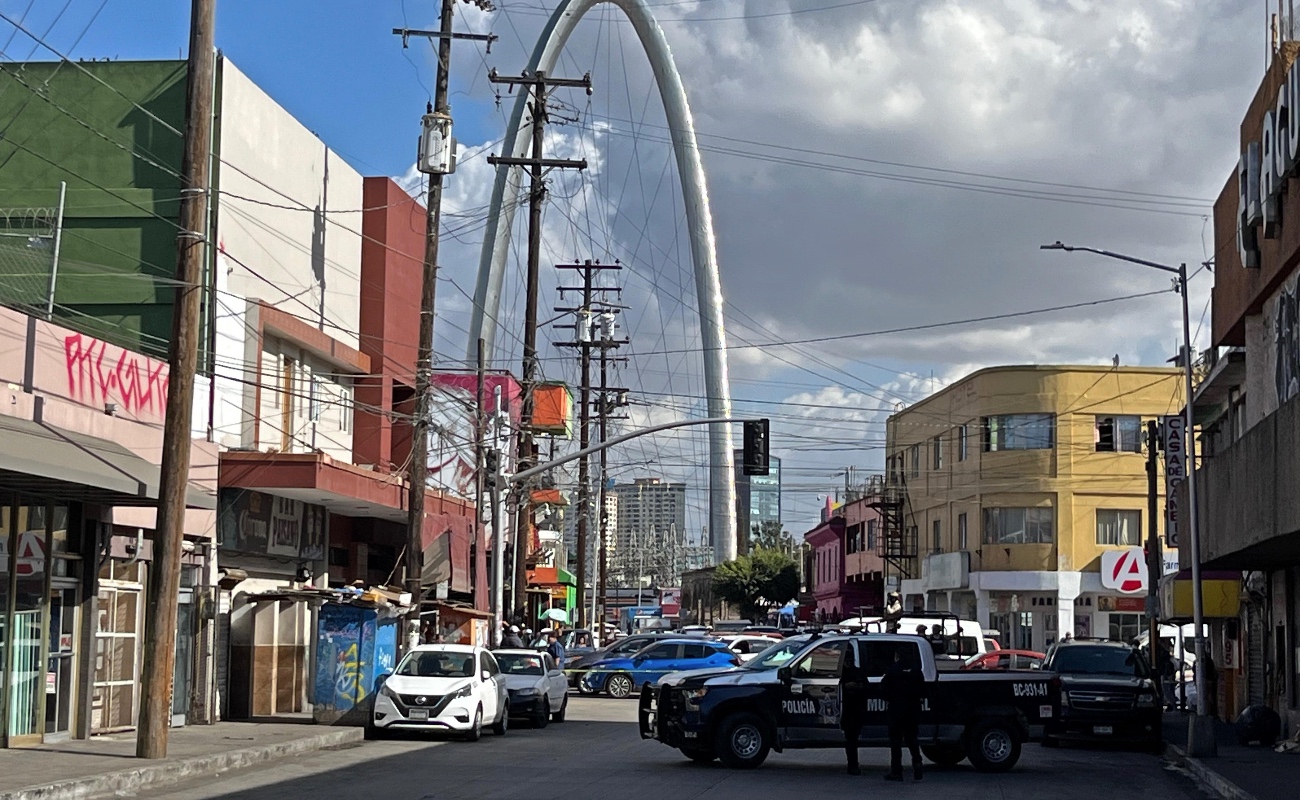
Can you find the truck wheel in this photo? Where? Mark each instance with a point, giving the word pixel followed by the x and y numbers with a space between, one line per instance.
pixel 699 756
pixel 743 741
pixel 619 686
pixel 993 747
pixel 945 755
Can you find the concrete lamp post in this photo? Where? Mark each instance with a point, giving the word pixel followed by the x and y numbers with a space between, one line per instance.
pixel 1200 731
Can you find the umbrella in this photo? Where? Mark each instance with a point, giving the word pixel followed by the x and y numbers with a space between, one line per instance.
pixel 556 614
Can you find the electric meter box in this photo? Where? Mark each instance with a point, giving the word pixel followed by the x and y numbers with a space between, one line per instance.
pixel 437 154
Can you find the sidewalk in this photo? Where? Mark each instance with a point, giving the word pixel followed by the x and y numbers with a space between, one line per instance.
pixel 1251 772
pixel 106 765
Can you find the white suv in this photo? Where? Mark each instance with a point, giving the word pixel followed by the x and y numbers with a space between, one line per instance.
pixel 448 687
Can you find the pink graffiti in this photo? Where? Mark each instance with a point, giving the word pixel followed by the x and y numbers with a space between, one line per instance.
pixel 99 372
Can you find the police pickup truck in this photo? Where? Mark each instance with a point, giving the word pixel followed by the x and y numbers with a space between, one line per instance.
pixel 789 697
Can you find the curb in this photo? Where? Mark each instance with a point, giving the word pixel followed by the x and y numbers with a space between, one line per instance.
pixel 170 772
pixel 1208 779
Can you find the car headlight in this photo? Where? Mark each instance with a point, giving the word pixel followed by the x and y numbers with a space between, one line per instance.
pixel 1065 699
pixel 464 691
pixel 694 696
pixel 527 692
pixel 1146 700
pixel 387 692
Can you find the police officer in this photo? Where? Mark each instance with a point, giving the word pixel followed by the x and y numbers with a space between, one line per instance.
pixel 902 687
pixel 853 702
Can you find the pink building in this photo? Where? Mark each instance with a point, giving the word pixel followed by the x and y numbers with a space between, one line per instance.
pixel 845 571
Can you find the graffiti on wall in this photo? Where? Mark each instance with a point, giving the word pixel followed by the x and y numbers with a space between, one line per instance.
pixel 99 372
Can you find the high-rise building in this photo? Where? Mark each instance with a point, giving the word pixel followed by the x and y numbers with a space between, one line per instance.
pixel 758 501
pixel 649 532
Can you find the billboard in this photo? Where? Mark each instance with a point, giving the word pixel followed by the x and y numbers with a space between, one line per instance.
pixel 264 524
pixel 452 408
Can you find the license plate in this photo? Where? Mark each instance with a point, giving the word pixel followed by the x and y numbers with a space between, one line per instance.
pixel 1102 730
pixel 1044 711
pixel 420 713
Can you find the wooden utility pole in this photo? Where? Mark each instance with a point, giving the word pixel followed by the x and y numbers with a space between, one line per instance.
pixel 419 474
pixel 607 400
pixel 585 342
pixel 182 360
pixel 540 85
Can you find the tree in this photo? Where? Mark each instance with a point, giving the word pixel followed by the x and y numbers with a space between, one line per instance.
pixel 769 535
pixel 757 581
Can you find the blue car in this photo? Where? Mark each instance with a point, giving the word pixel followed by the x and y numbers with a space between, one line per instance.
pixel 622 676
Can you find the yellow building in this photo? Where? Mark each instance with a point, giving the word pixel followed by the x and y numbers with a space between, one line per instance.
pixel 1017 480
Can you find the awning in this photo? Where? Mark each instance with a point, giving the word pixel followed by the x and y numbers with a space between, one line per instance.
pixel 47 461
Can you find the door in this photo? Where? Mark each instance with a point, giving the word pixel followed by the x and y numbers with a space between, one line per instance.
pixel 810 711
pixel 60 677
pixel 493 687
pixel 183 672
pixel 654 662
pixel 556 684
pixel 117 647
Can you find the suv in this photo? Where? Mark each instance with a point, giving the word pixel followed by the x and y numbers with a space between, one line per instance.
pixel 1108 693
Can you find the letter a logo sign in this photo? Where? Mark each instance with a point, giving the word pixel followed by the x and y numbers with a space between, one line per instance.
pixel 1124 571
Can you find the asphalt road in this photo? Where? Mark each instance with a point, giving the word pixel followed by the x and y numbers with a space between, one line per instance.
pixel 597 755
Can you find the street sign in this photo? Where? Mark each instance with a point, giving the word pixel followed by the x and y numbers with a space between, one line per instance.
pixel 1175 441
pixel 1125 571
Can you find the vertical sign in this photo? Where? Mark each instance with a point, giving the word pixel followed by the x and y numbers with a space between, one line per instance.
pixel 1175 430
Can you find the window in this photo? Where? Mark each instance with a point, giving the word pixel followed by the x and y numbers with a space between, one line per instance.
pixel 1019 432
pixel 937 460
pixel 961 442
pixel 314 399
pixel 1122 528
pixel 490 664
pixel 936 543
pixel 961 531
pixel 1018 525
pixel 345 409
pixel 1115 434
pixel 822 662
pixel 916 461
pixel 661 652
pixel 873 530
pixel 879 656
pixel 697 651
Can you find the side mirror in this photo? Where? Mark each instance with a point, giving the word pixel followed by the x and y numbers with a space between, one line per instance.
pixel 486 676
pixel 784 675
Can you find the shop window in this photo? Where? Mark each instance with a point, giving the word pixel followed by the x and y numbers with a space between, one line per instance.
pixel 1019 432
pixel 1119 528
pixel 1118 434
pixel 1019 525
pixel 1126 627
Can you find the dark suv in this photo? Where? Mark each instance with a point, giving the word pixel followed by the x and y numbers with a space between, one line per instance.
pixel 1108 693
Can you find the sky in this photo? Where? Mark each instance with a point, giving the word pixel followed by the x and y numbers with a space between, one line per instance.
pixel 871 165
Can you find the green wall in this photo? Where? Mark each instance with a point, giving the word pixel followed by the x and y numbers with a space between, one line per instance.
pixel 58 123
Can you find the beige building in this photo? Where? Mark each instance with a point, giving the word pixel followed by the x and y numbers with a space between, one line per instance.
pixel 1017 481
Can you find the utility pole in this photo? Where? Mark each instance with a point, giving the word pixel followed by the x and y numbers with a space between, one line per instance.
pixel 480 436
pixel 584 342
pixel 182 360
pixel 1155 555
pixel 540 85
pixel 436 158
pixel 605 404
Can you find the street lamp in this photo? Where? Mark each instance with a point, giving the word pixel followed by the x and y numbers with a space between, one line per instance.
pixel 1200 737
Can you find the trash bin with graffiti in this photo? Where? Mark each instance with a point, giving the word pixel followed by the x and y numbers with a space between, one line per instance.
pixel 354 646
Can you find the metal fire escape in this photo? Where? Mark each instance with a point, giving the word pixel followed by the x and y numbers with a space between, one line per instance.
pixel 897 545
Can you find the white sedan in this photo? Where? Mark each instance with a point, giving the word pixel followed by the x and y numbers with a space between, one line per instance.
pixel 538 688
pixel 448 687
pixel 747 646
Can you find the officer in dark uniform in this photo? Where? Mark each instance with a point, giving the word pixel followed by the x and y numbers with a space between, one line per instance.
pixel 903 686
pixel 853 703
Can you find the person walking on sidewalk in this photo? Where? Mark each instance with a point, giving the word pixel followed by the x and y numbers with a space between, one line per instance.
pixel 853 703
pixel 903 686
pixel 511 639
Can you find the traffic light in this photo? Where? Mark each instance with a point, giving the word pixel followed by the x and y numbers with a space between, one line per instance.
pixel 754 456
pixel 491 467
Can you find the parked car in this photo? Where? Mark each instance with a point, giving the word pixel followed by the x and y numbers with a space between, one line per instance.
pixel 576 666
pixel 1108 693
pixel 731 625
pixel 535 684
pixel 446 687
pixel 1005 659
pixel 622 676
pixel 764 630
pixel 747 645
pixel 738 716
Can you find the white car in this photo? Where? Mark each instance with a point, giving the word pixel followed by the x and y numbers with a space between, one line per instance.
pixel 538 689
pixel 447 687
pixel 747 645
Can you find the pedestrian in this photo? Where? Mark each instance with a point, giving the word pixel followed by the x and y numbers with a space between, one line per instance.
pixel 903 686
pixel 921 631
pixel 554 647
pixel 1069 637
pixel 853 702
pixel 511 639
